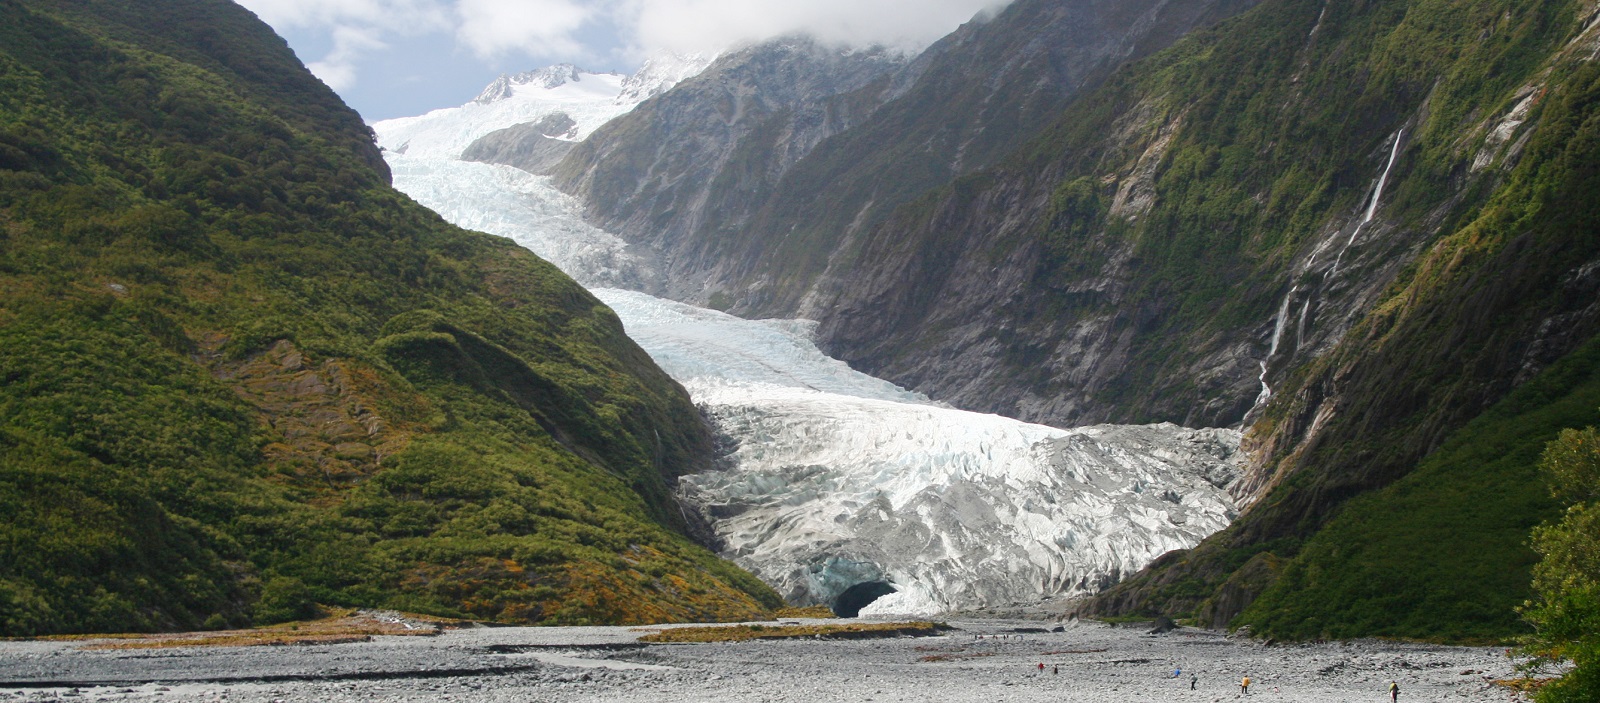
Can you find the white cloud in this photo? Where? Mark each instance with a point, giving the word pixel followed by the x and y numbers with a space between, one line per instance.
pixel 357 28
pixel 338 68
pixel 533 27
pixel 692 25
pixel 555 30
pixel 400 16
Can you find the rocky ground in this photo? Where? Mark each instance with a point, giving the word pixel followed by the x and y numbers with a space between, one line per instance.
pixel 985 661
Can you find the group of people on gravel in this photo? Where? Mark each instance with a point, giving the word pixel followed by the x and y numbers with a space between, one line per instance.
pixel 1244 684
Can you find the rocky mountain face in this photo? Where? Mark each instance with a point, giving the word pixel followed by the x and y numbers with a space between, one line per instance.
pixel 705 151
pixel 1360 231
pixel 748 218
pixel 531 146
pixel 1318 220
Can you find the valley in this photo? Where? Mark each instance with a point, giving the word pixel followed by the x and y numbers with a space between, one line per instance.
pixel 834 487
pixel 1276 318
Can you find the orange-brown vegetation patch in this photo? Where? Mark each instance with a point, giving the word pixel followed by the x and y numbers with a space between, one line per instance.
pixel 328 418
pixel 953 656
pixel 945 654
pixel 1523 685
pixel 634 590
pixel 341 628
pixel 811 611
pixel 642 595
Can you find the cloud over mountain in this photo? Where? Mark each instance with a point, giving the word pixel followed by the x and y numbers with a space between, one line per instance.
pixel 600 30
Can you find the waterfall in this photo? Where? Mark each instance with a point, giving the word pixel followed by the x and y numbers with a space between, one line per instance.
pixel 1283 313
pixel 1266 390
pixel 1277 336
pixel 1372 207
pixel 1300 328
pixel 1305 310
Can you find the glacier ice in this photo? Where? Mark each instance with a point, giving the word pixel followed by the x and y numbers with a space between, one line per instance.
pixel 840 478
pixel 837 484
pixel 524 207
pixel 590 99
pixel 423 154
pixel 704 349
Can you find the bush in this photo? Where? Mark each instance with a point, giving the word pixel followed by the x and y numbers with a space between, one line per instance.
pixel 1566 582
pixel 284 599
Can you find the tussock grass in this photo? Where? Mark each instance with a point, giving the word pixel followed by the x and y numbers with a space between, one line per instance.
pixel 341 627
pixel 810 611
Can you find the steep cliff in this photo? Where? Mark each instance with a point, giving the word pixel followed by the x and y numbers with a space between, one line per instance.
pixel 748 217
pixel 1352 227
pixel 244 376
pixel 1363 231
pixel 703 154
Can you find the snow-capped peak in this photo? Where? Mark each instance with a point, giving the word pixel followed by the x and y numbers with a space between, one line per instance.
pixel 659 73
pixel 546 78
pixel 587 99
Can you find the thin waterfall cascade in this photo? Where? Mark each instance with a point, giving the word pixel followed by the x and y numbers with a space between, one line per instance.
pixel 1372 207
pixel 1300 328
pixel 1277 329
pixel 1266 390
pixel 1282 319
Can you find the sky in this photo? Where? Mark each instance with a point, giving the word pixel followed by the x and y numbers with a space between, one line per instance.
pixel 394 58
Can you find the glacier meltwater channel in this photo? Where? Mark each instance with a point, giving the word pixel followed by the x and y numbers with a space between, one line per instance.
pixel 839 488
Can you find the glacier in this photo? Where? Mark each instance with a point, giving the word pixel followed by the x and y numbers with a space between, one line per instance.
pixel 590 99
pixel 836 487
pixel 840 479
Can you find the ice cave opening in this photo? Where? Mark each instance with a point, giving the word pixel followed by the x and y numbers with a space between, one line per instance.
pixel 854 598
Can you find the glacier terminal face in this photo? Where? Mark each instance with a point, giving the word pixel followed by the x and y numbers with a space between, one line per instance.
pixel 837 480
pixel 837 488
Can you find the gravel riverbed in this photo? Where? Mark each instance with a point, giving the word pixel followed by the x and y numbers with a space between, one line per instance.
pixel 980 661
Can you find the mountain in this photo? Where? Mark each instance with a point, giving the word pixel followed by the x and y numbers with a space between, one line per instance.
pixel 703 150
pixel 1361 232
pixel 245 376
pixel 837 488
pixel 530 120
pixel 1355 229
pixel 820 145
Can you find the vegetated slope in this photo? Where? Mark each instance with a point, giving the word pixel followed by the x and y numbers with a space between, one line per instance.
pixel 748 218
pixel 1204 220
pixel 1442 552
pixel 1506 287
pixel 243 375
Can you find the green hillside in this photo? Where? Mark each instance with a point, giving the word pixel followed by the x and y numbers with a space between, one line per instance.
pixel 242 375
pixel 1398 495
pixel 1443 552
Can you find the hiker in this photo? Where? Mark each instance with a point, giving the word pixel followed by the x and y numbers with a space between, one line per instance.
pixel 1041 667
pixel 1055 668
pixel 1194 679
pixel 1177 673
pixel 1394 692
pixel 1244 685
